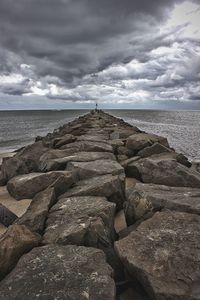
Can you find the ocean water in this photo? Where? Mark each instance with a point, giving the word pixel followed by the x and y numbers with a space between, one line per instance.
pixel 19 128
pixel 182 128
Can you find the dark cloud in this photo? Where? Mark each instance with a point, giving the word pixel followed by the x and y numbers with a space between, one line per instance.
pixel 68 47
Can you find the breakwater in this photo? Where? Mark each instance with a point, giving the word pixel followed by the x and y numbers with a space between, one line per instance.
pixel 114 214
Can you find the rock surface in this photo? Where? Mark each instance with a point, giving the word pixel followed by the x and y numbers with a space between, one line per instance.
pixel 61 163
pixel 144 198
pixel 85 220
pixel 137 142
pixel 109 186
pixel 35 216
pixel 164 254
pixel 163 170
pixel 7 217
pixel 84 170
pixel 60 272
pixel 16 241
pixel 27 186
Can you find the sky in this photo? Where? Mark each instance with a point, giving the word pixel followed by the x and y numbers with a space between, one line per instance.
pixel 121 54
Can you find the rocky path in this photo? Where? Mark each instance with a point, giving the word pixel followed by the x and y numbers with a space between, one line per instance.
pixel 114 214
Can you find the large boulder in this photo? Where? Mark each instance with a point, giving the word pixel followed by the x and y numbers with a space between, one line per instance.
pixel 163 254
pixel 7 217
pixel 84 170
pixel 86 220
pixel 36 214
pixel 156 148
pixel 63 140
pixel 25 161
pixel 164 170
pixel 28 185
pixel 93 138
pixel 61 163
pixel 123 133
pixel 146 198
pixel 109 186
pixel 60 272
pixel 16 241
pixel 137 142
pixel 88 146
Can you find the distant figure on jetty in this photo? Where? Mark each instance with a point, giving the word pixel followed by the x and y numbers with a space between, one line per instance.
pixel 96 109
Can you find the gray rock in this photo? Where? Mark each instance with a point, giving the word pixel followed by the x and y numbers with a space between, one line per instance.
pixel 93 138
pixel 165 171
pixel 156 148
pixel 163 254
pixel 86 220
pixel 61 163
pixel 84 170
pixel 63 140
pixel 7 217
pixel 16 241
pixel 123 133
pixel 139 141
pixel 25 161
pixel 27 186
pixel 88 146
pixel 109 186
pixel 60 272
pixel 36 214
pixel 146 198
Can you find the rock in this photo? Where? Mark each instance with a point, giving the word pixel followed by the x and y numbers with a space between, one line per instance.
pixel 84 170
pixel 85 220
pixel 60 272
pixel 163 254
pixel 152 197
pixel 63 140
pixel 130 182
pixel 61 163
pixel 16 241
pixel 27 186
pixel 123 133
pixel 93 138
pixel 120 221
pixel 109 186
pixel 163 170
pixel 16 207
pixel 88 146
pixel 7 217
pixel 35 216
pixel 140 141
pixel 23 162
pixel 156 148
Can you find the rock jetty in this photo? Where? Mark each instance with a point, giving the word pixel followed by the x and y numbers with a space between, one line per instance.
pixel 114 214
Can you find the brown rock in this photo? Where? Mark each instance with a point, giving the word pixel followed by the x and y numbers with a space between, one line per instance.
pixel 163 254
pixel 84 170
pixel 27 186
pixel 7 217
pixel 109 186
pixel 139 141
pixel 16 241
pixel 60 272
pixel 35 216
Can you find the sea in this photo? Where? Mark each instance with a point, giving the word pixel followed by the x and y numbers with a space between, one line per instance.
pixel 182 128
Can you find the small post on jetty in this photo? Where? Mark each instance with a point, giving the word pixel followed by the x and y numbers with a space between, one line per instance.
pixel 96 109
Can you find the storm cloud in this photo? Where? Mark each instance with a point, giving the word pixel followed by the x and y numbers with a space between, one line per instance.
pixel 112 50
